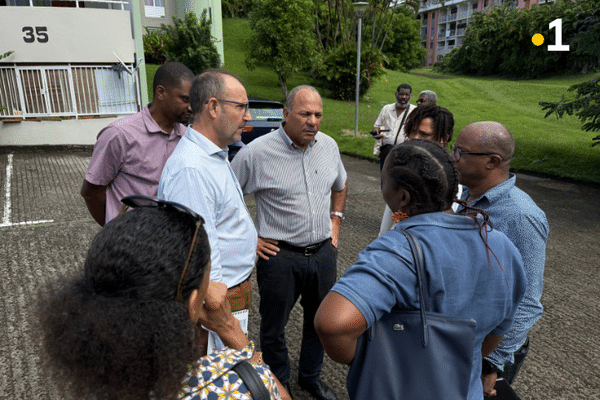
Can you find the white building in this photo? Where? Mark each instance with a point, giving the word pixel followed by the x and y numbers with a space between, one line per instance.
pixel 78 65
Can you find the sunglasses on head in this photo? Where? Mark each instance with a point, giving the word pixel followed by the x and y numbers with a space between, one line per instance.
pixel 139 200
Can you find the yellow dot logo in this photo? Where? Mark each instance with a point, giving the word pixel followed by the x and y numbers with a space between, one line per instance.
pixel 537 39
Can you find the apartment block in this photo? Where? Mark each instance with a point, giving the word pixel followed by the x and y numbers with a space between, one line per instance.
pixel 444 22
pixel 76 66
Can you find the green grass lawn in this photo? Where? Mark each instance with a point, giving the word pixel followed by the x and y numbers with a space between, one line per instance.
pixel 545 145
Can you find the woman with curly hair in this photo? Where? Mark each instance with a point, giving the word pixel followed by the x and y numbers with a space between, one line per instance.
pixel 126 327
pixel 472 272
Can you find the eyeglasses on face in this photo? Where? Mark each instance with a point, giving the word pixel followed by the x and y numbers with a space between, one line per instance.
pixel 457 153
pixel 138 200
pixel 245 105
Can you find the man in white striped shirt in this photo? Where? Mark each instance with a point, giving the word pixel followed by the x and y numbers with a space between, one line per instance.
pixel 299 184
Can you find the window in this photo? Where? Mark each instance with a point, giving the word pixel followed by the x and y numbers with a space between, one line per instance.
pixel 154 8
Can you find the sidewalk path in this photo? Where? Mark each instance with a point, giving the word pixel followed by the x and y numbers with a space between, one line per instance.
pixel 564 356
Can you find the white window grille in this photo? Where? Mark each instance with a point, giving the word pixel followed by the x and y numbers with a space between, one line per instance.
pixel 67 91
pixel 154 8
pixel 107 4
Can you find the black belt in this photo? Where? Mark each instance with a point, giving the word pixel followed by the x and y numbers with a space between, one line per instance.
pixel 307 251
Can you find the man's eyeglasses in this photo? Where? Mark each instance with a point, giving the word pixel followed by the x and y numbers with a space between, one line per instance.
pixel 456 152
pixel 138 200
pixel 246 105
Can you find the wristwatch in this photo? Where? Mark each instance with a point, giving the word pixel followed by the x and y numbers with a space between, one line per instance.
pixel 338 214
pixel 488 367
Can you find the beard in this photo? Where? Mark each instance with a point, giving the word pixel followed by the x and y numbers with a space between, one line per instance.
pixel 400 105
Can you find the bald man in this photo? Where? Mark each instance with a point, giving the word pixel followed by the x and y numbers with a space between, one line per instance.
pixel 483 151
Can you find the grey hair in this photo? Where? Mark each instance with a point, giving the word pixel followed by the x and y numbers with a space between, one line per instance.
pixel 292 95
pixel 208 84
pixel 429 94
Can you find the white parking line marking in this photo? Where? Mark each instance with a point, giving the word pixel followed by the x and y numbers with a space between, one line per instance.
pixel 7 202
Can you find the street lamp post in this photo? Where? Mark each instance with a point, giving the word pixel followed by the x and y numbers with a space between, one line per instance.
pixel 359 10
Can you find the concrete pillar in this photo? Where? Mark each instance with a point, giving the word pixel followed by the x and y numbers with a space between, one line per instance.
pixel 138 36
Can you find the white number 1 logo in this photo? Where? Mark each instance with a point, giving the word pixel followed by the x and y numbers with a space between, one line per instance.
pixel 557 25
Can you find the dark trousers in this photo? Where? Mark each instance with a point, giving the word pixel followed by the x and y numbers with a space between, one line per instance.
pixel 281 280
pixel 511 370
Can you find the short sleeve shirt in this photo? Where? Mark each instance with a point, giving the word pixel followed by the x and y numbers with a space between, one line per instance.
pixel 129 156
pixel 214 378
pixel 292 187
pixel 462 282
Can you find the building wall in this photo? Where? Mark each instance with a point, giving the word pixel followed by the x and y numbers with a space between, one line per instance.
pixel 66 35
pixel 64 132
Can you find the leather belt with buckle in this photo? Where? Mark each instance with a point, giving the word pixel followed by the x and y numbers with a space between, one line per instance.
pixel 307 251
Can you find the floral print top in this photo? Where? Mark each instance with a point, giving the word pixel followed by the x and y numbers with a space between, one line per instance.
pixel 213 377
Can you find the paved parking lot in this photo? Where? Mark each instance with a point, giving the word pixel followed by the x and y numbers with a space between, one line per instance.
pixel 45 231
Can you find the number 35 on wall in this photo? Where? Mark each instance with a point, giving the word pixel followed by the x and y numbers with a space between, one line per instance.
pixel 40 34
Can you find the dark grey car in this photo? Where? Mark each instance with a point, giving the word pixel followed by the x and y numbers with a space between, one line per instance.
pixel 266 116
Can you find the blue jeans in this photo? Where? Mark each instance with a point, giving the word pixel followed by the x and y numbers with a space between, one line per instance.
pixel 281 280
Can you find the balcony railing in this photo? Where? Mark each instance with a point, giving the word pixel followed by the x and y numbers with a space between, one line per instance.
pixel 110 4
pixel 67 91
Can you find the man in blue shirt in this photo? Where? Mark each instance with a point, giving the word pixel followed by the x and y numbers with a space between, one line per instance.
pixel 199 176
pixel 483 151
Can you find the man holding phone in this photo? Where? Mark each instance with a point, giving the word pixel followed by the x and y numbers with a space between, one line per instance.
pixel 389 125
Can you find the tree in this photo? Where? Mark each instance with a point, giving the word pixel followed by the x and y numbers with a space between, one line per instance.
pixel 282 37
pixel 402 46
pixel 190 42
pixel 391 36
pixel 586 106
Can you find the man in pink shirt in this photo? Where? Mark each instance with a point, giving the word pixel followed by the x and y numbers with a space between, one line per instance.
pixel 130 153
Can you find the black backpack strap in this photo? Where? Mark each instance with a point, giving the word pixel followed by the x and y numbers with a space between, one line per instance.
pixel 252 380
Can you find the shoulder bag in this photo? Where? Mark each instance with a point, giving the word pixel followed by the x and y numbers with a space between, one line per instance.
pixel 252 380
pixel 416 354
pixel 384 150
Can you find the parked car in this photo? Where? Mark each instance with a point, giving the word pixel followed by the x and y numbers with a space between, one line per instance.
pixel 266 117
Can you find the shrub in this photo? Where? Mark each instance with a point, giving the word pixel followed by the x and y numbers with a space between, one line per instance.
pixel 337 72
pixel 189 42
pixel 154 46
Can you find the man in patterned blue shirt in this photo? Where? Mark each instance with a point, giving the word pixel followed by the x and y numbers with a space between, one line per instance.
pixel 483 151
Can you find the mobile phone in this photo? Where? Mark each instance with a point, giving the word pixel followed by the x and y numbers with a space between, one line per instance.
pixel 377 133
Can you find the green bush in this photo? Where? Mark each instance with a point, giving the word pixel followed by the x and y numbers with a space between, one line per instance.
pixel 337 71
pixel 189 42
pixel 154 46
pixel 498 42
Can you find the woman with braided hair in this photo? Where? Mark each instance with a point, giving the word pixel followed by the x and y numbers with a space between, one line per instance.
pixel 126 327
pixel 472 271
